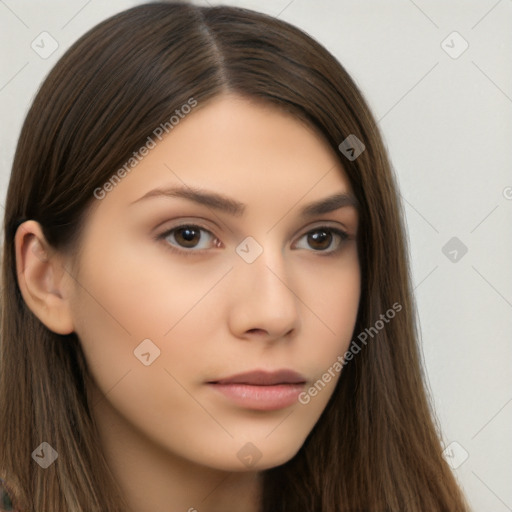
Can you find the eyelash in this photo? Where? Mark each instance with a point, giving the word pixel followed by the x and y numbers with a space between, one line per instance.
pixel 194 252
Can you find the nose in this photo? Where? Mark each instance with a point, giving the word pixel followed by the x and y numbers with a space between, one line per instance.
pixel 263 302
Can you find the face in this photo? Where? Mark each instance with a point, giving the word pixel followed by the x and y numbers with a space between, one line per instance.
pixel 210 260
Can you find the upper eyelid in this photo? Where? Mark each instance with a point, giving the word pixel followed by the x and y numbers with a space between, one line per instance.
pixel 170 230
pixel 321 224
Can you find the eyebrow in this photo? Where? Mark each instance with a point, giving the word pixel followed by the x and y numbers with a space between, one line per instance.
pixel 231 206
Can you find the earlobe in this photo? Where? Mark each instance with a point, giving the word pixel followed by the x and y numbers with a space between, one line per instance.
pixel 42 278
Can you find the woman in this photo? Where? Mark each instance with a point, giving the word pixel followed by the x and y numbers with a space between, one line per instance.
pixel 206 299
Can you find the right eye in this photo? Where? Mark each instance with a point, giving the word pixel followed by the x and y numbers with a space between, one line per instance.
pixel 189 238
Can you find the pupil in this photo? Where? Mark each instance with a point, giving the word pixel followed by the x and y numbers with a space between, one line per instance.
pixel 187 235
pixel 318 240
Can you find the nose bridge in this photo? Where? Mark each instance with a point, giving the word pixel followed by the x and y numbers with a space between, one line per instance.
pixel 265 299
pixel 267 275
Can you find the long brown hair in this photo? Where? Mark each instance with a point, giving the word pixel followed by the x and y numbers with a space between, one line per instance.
pixel 376 446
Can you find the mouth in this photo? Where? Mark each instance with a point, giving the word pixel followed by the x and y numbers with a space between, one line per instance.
pixel 261 391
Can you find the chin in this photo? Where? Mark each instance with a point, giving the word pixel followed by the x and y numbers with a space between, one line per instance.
pixel 262 457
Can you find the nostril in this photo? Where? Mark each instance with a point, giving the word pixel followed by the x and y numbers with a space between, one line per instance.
pixel 257 331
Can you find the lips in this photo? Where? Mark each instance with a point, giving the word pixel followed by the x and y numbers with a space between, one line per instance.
pixel 259 390
pixel 262 378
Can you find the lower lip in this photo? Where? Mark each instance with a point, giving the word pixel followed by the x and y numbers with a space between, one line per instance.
pixel 261 398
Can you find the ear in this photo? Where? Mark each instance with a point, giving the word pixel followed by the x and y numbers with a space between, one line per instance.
pixel 42 278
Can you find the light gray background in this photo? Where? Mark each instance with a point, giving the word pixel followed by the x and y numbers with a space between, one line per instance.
pixel 447 123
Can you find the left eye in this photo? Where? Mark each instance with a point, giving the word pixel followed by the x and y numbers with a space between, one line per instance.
pixel 323 239
pixel 189 237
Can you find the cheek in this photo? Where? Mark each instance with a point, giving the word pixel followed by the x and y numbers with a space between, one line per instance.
pixel 125 296
pixel 119 306
pixel 331 293
pixel 139 287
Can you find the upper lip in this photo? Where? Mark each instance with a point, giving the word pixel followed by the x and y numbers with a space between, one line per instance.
pixel 263 378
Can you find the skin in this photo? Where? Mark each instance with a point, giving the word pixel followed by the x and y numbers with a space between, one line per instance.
pixel 168 437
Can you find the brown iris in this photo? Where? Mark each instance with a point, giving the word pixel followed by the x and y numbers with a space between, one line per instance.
pixel 319 240
pixel 187 236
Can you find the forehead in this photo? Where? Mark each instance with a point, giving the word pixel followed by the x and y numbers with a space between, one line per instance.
pixel 252 151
